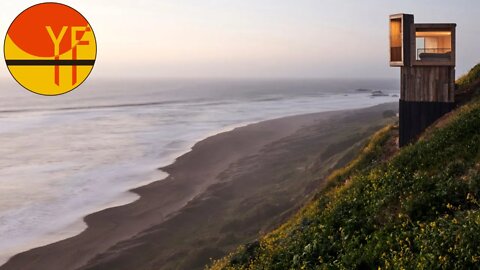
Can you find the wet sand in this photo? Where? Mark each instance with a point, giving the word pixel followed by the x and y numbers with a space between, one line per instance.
pixel 228 189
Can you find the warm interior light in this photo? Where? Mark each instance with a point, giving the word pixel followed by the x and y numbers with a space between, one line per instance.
pixel 396 40
pixel 433 33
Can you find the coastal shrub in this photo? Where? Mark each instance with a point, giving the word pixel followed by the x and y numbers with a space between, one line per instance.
pixel 469 78
pixel 418 210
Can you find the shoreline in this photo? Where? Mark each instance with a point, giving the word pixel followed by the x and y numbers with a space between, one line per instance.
pixel 127 197
pixel 164 199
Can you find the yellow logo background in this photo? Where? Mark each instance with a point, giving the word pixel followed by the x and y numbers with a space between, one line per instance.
pixel 56 62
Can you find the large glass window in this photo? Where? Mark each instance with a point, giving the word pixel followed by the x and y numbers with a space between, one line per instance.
pixel 433 45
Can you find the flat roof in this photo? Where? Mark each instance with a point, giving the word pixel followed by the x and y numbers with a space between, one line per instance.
pixel 397 15
pixel 435 25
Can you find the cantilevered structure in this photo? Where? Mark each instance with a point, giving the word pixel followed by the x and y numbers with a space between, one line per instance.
pixel 425 53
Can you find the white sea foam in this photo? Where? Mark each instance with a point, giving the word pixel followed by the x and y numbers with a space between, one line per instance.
pixel 62 158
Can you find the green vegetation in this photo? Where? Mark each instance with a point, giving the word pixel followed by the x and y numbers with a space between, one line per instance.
pixel 468 79
pixel 468 86
pixel 417 209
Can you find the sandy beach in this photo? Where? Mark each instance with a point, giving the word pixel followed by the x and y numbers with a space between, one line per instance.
pixel 227 190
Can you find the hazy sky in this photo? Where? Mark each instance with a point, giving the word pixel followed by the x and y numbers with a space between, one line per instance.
pixel 256 38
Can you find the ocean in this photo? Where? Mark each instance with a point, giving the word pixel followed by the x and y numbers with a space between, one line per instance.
pixel 64 157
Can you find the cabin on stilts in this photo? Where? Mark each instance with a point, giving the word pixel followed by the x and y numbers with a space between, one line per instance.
pixel 425 53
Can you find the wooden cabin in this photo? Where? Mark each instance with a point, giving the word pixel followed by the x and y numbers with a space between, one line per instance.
pixel 425 53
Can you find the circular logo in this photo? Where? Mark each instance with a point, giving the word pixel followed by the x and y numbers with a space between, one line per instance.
pixel 50 49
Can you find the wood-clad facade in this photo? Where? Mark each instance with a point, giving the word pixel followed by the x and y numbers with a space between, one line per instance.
pixel 426 56
pixel 427 84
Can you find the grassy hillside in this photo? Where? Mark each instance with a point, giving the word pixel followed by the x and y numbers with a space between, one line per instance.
pixel 418 208
pixel 468 85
